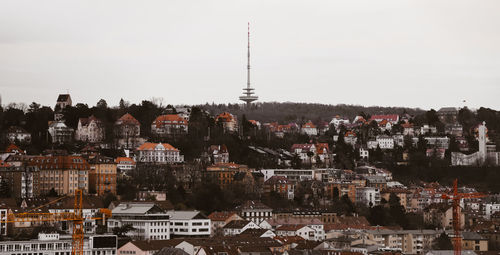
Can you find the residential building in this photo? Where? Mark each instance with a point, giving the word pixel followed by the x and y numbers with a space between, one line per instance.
pixel 428 130
pixel 160 153
pixel 229 122
pixel 303 231
pixel 255 211
pixel 125 164
pixel 350 138
pixel 280 185
pixel 236 227
pixel 306 152
pixel 224 173
pixel 309 129
pixel 90 210
pixel 364 153
pixel 219 219
pixel 22 180
pixel 102 175
pixel 150 222
pixel 18 135
pixel 369 196
pixel 490 209
pixel 218 154
pixel 337 121
pixel 189 224
pixel 90 130
pixel 385 142
pixel 474 241
pixel 64 174
pixel 447 114
pixel 59 132
pixel 169 125
pixel 392 118
pixel 127 132
pixel 401 193
pixel 52 244
pixel 441 216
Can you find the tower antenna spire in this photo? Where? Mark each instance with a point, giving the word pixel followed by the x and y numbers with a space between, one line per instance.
pixel 248 94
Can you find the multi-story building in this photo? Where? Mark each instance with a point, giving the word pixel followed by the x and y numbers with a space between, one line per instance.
pixel 52 244
pixel 350 138
pixel 218 154
pixel 219 219
pixel 305 151
pixel 229 122
pixel 369 196
pixel 127 132
pixel 4 210
pixel 447 114
pixel 255 211
pixel 189 224
pixel 280 185
pixel 90 130
pixel 17 134
pixel 90 209
pixel 401 193
pixel 169 125
pixel 223 173
pixel 441 216
pixel 385 142
pixel 59 132
pixel 150 222
pixel 309 129
pixel 102 175
pixel 125 164
pixel 23 180
pixel 161 153
pixel 64 174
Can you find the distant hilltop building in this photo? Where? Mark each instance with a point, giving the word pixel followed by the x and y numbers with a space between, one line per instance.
pixel 63 101
pixel 485 155
pixel 248 92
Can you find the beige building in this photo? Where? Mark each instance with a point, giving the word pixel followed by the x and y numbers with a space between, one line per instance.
pixel 220 219
pixel 474 241
pixel 441 216
pixel 102 175
pixel 64 174
pixel 90 130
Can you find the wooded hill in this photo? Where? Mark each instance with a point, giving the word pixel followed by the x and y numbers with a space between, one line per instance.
pixel 290 112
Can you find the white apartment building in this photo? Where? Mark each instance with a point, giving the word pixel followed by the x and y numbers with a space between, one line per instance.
pixel 189 223
pixel 490 209
pixel 385 142
pixel 369 196
pixel 150 222
pixel 161 153
pixel 52 244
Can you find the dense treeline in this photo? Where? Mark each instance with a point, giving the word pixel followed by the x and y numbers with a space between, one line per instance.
pixel 297 112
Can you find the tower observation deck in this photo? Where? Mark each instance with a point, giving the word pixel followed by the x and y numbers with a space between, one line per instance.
pixel 248 92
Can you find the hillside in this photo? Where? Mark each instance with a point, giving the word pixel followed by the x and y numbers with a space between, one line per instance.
pixel 288 111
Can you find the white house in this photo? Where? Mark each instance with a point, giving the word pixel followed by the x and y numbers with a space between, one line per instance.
pixel 236 227
pixel 385 142
pixel 160 153
pixel 189 223
pixel 309 129
pixel 369 196
pixel 150 222
pixel 90 130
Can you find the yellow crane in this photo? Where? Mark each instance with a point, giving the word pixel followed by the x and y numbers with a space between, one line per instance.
pixel 76 217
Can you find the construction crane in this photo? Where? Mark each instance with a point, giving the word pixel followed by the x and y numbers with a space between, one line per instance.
pixel 76 217
pixel 456 197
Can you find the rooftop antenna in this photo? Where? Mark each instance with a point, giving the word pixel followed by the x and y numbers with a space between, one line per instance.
pixel 248 93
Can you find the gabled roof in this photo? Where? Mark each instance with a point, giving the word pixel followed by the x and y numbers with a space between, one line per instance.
pixel 13 148
pixel 388 117
pixel 86 121
pixel 124 160
pixel 63 97
pixel 237 224
pixel 127 118
pixel 290 227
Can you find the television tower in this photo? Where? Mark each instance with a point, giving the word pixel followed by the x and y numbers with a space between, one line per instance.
pixel 248 92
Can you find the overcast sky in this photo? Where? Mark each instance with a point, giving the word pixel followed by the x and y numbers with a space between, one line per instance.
pixel 417 53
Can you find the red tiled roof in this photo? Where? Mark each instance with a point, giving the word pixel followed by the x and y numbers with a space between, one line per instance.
pixel 221 216
pixel 225 117
pixel 124 159
pixel 152 146
pixel 309 125
pixel 128 119
pixel 12 147
pixel 169 119
pixel 389 117
pixel 59 162
pixel 4 164
pixel 322 146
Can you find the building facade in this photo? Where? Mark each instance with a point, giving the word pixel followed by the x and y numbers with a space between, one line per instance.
pixel 161 153
pixel 90 130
